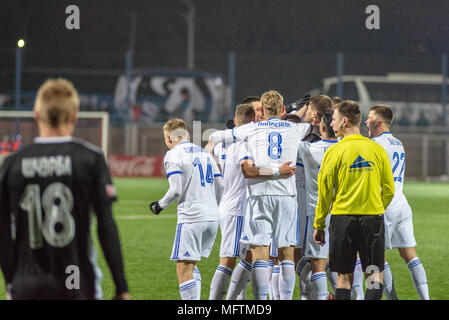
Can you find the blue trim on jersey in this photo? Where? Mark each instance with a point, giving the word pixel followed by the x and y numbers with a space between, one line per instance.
pixel 217 175
pixel 246 157
pixel 273 118
pixel 173 172
pixel 330 141
pixel 183 142
pixel 233 135
pixel 386 132
pixel 177 242
pixel 300 164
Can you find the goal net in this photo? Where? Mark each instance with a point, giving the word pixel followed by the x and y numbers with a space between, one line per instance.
pixel 92 127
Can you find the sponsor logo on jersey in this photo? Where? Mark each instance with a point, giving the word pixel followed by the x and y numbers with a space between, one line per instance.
pixel 361 164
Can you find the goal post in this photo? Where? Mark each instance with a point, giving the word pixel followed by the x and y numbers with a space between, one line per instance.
pixel 22 122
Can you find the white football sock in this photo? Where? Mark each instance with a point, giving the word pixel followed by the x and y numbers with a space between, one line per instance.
pixel 304 272
pixel 357 284
pixel 188 290
pixel 274 283
pixel 318 284
pixel 419 278
pixel 239 280
pixel 259 277
pixel 197 278
pixel 219 283
pixel 270 276
pixel 389 290
pixel 287 280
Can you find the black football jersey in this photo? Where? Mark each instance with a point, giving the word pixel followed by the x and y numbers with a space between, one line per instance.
pixel 49 191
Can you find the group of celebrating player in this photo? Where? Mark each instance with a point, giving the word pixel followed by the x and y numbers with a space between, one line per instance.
pixel 259 181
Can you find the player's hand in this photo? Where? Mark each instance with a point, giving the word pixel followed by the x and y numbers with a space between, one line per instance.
pixel 122 296
pixel 230 124
pixel 155 207
pixel 319 237
pixel 286 171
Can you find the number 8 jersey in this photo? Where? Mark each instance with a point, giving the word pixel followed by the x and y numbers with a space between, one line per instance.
pixel 197 201
pixel 271 143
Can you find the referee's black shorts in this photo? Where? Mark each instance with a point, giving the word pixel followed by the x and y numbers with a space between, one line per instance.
pixel 349 234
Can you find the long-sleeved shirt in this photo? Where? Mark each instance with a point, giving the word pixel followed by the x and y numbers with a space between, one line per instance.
pixel 355 178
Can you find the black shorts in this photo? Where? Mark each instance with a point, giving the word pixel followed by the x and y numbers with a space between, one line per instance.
pixel 349 234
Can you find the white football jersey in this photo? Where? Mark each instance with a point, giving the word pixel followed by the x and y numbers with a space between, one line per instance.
pixel 271 143
pixel 396 154
pixel 233 201
pixel 198 169
pixel 311 155
pixel 220 151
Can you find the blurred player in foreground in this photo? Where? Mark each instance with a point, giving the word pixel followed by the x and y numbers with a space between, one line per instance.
pixel 47 191
pixel 398 215
pixel 195 181
pixel 356 185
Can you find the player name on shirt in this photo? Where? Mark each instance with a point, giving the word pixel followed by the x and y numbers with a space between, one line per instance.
pixel 277 124
pixel 47 166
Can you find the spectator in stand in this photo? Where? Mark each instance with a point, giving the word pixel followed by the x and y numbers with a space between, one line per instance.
pixel 404 120
pixel 17 144
pixel 5 146
pixel 422 120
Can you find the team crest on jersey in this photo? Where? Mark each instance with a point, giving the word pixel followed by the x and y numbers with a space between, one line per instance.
pixel 361 164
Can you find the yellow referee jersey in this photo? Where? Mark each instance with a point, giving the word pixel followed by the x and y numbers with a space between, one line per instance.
pixel 355 177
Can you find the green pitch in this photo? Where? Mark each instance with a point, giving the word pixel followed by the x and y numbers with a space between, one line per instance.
pixel 147 242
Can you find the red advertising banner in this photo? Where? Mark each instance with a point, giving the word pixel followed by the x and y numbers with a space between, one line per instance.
pixel 136 166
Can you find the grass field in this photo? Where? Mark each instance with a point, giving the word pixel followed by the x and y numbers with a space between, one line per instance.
pixel 147 242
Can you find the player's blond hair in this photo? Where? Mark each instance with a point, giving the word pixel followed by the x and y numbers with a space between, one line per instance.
pixel 272 102
pixel 175 128
pixel 57 102
pixel 244 113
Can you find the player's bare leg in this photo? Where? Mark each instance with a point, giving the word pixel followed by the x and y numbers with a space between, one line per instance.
pixel 259 275
pixel 287 274
pixel 344 284
pixel 417 271
pixel 187 285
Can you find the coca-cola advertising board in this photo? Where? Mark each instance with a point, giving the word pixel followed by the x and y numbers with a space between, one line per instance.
pixel 136 166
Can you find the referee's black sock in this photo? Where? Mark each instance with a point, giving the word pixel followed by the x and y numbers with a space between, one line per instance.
pixel 343 294
pixel 375 294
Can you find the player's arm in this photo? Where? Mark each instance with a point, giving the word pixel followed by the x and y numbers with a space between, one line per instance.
pixel 173 192
pixel 250 171
pixel 325 191
pixel 103 196
pixel 387 181
pixel 229 135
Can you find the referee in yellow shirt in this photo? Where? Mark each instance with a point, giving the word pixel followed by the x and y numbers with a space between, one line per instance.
pixel 355 185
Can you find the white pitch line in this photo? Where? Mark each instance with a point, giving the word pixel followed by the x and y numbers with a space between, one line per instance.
pixel 147 216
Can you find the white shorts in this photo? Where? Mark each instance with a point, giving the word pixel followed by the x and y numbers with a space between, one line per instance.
pixel 311 249
pixel 231 232
pixel 272 216
pixel 194 240
pixel 302 216
pixel 273 249
pixel 399 227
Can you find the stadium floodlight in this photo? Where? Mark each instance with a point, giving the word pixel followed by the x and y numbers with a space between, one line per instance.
pixel 21 43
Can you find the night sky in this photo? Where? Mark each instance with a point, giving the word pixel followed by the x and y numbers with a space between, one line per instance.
pixel 258 27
